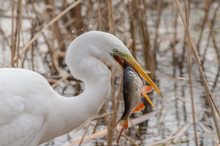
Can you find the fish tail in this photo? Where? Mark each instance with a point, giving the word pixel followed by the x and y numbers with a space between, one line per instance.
pixel 124 123
pixel 138 108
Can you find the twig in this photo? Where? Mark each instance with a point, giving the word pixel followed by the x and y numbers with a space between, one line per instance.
pixel 189 60
pixel 13 47
pixel 215 47
pixel 84 134
pixel 103 115
pixel 110 17
pixel 156 43
pixel 17 32
pixel 207 4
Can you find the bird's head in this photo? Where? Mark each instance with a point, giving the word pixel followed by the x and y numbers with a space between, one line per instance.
pixel 104 46
pixel 122 54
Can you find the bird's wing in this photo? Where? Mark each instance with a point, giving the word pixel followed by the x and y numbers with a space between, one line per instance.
pixel 10 108
pixel 17 126
pixel 23 107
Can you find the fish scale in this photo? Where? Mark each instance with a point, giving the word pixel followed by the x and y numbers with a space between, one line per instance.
pixel 133 89
pixel 132 84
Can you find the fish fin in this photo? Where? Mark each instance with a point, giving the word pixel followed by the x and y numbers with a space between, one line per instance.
pixel 147 89
pixel 124 123
pixel 144 91
pixel 138 108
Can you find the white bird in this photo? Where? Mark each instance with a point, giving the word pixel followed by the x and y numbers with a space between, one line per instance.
pixel 31 112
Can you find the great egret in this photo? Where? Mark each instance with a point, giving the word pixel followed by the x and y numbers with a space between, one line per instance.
pixel 31 112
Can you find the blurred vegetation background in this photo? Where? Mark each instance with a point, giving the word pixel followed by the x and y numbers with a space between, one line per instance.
pixel 178 41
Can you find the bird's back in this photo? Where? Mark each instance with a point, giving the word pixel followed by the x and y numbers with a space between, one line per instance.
pixel 23 102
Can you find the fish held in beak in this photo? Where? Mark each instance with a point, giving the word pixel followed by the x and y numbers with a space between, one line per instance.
pixel 136 66
pixel 133 90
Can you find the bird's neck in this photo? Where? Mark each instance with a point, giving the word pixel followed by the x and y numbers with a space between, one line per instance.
pixel 68 113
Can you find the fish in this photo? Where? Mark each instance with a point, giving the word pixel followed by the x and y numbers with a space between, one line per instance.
pixel 133 90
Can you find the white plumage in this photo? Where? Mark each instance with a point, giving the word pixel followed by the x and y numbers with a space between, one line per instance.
pixel 31 112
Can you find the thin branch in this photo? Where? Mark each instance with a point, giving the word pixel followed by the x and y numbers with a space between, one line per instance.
pixel 189 60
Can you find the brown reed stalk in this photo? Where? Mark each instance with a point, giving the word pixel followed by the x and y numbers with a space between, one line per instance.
pixel 13 43
pixel 57 34
pixel 132 6
pixel 145 36
pixel 110 17
pixel 17 31
pixel 214 42
pixel 211 25
pixel 32 32
pixel 189 61
pixel 84 134
pixel 116 90
pixel 156 43
pixel 16 28
pixel 99 16
pixel 218 58
pixel 207 5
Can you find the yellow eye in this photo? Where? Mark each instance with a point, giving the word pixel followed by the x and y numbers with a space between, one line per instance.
pixel 115 51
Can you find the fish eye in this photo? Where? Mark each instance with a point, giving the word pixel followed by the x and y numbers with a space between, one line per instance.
pixel 115 51
pixel 130 73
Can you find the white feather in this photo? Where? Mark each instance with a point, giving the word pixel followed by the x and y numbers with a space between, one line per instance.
pixel 31 112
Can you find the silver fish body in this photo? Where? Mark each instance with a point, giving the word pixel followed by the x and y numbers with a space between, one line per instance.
pixel 132 84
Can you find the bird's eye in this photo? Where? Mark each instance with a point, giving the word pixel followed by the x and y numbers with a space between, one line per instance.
pixel 115 51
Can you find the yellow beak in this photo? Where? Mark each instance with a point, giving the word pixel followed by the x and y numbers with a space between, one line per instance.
pixel 136 66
